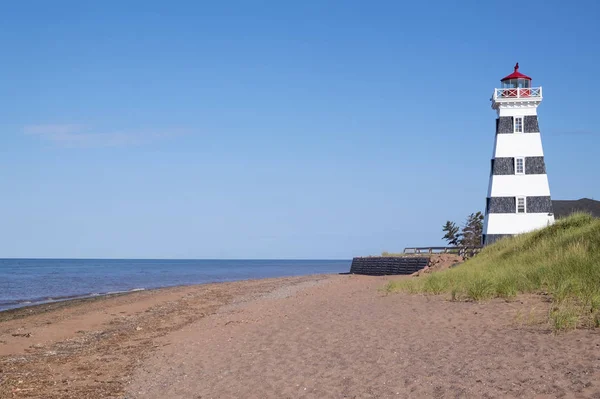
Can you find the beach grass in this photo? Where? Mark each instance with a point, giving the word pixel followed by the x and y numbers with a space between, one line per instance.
pixel 561 261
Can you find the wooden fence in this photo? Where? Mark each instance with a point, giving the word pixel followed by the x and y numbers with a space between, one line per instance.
pixel 461 251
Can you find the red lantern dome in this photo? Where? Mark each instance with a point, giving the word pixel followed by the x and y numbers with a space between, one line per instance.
pixel 516 80
pixel 516 75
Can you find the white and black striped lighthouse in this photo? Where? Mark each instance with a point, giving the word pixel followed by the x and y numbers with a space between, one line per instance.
pixel 518 198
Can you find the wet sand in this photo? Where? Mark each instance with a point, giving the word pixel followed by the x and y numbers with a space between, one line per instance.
pixel 316 337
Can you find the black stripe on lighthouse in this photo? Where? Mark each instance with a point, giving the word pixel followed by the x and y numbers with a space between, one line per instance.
pixel 506 166
pixel 535 204
pixel 502 205
pixel 531 124
pixel 541 204
pixel 504 124
pixel 492 238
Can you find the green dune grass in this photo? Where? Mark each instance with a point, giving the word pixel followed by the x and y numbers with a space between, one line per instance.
pixel 562 260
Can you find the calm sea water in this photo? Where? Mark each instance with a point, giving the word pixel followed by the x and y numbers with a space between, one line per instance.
pixel 29 281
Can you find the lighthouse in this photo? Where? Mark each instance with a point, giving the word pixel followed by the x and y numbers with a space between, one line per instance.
pixel 518 197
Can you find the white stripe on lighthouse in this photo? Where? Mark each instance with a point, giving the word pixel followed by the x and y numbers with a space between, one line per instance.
pixel 517 185
pixel 516 111
pixel 518 145
pixel 515 223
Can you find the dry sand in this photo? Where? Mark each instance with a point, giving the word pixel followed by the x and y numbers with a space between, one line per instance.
pixel 315 337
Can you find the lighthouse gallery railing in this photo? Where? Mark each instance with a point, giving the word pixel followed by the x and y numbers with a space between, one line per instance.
pixel 518 92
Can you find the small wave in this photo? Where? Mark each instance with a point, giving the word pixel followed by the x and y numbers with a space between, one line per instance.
pixel 17 303
pixel 62 297
pixel 114 292
pixel 122 292
pixel 9 302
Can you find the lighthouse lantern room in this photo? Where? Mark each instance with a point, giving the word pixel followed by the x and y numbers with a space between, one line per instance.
pixel 518 198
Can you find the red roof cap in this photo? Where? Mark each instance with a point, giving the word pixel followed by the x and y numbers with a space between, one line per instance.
pixel 516 75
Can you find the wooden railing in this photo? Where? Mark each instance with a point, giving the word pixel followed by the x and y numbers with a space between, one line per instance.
pixel 523 92
pixel 461 251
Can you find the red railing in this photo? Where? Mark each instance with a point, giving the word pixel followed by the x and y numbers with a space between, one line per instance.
pixel 518 92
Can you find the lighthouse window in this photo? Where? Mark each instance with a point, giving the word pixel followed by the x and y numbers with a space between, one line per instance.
pixel 520 166
pixel 519 125
pixel 520 204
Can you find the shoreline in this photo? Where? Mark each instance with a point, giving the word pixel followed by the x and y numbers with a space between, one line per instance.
pixel 39 281
pixel 43 307
pixel 23 304
pixel 26 305
pixel 49 306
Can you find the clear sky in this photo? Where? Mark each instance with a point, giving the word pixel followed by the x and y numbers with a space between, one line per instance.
pixel 275 129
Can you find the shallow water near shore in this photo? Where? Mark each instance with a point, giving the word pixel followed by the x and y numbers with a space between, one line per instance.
pixel 25 282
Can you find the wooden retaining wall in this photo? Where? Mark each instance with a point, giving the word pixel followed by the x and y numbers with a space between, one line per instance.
pixel 388 265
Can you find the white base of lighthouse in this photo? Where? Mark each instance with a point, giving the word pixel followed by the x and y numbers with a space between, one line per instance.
pixel 509 224
pixel 518 198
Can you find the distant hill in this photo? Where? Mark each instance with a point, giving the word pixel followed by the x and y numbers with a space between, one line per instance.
pixel 564 208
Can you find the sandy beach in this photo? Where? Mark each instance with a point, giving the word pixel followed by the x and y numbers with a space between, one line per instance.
pixel 326 336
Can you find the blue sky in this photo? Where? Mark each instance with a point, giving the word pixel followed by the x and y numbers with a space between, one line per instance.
pixel 256 129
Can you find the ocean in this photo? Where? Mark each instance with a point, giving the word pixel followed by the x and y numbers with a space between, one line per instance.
pixel 25 282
